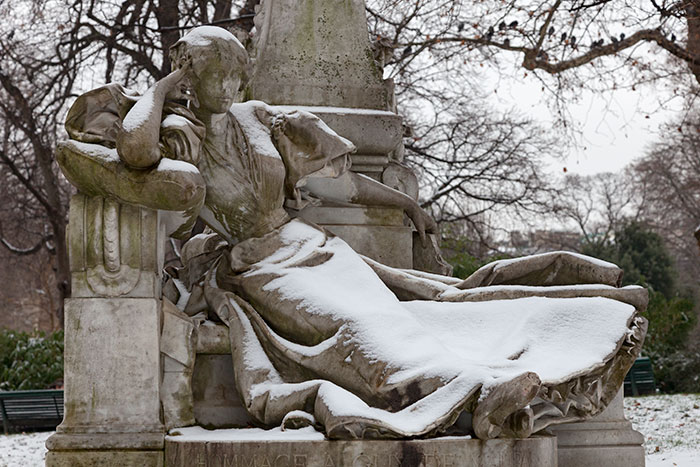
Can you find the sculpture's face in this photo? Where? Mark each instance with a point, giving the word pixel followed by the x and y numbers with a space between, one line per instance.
pixel 215 83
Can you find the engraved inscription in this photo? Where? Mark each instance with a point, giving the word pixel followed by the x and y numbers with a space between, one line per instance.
pixel 257 460
pixel 388 458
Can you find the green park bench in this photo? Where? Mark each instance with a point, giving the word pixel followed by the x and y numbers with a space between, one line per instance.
pixel 31 410
pixel 640 379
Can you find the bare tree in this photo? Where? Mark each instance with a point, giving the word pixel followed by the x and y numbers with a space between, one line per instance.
pixel 596 206
pixel 49 52
pixel 557 37
pixel 669 175
pixel 477 167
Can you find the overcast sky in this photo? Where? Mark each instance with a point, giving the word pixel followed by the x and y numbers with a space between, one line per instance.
pixel 615 127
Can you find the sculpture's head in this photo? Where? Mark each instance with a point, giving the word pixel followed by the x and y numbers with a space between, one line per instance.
pixel 217 61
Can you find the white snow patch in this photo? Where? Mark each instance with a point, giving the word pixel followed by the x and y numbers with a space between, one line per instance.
pixel 333 110
pixel 599 262
pixel 23 450
pixel 203 35
pixel 670 425
pixel 197 433
pixel 174 121
pixel 140 112
pixel 258 133
pixel 96 151
pixel 172 165
pixel 184 294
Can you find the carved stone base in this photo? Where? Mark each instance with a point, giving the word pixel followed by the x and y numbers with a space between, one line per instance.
pixel 112 378
pixel 446 452
pixel 104 459
pixel 606 440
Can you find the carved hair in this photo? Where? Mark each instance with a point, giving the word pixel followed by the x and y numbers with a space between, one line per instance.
pixel 199 43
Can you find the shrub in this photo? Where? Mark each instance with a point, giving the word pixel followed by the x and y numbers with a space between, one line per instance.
pixel 30 361
pixel 678 371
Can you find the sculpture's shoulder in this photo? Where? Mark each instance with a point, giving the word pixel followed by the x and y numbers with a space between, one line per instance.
pixel 95 117
pixel 90 160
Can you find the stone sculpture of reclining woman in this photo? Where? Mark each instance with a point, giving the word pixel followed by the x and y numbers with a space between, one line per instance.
pixel 320 334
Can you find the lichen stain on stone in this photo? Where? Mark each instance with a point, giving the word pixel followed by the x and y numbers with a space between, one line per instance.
pixel 411 456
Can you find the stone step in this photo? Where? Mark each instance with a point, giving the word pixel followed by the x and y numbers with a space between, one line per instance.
pixel 538 451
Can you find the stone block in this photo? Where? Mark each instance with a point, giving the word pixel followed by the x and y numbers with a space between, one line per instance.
pixel 376 232
pixel 328 214
pixel 216 400
pixel 446 452
pixel 112 366
pixel 605 440
pixel 104 459
pixel 386 244
pixel 311 52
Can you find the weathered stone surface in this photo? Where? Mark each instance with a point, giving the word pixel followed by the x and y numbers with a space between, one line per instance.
pixel 428 258
pixel 353 215
pixel 104 459
pixel 312 52
pixel 371 131
pixel 178 349
pixel 216 400
pixel 386 244
pixel 116 250
pixel 377 232
pixel 607 439
pixel 213 339
pixel 100 441
pixel 447 452
pixel 112 366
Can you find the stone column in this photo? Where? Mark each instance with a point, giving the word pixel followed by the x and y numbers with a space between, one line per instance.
pixel 316 55
pixel 112 362
pixel 316 52
pixel 605 440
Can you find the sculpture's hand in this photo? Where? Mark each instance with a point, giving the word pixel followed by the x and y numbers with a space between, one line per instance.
pixel 177 85
pixel 423 222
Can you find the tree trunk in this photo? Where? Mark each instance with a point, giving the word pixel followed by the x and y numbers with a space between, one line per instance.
pixel 167 14
pixel 692 14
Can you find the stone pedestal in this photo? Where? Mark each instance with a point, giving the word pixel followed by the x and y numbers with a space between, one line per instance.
pixel 112 361
pixel 606 440
pixel 316 52
pixel 445 452
pixel 376 134
pixel 379 233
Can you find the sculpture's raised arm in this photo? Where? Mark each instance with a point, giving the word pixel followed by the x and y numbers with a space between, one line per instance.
pixel 137 142
pixel 139 150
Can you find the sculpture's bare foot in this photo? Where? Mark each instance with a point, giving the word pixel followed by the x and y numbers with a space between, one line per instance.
pixel 520 424
pixel 502 411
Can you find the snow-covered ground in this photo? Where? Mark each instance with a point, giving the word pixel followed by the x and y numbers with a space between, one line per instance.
pixel 23 450
pixel 671 427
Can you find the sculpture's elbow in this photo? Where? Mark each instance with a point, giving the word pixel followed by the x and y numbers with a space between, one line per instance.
pixel 193 191
pixel 137 153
